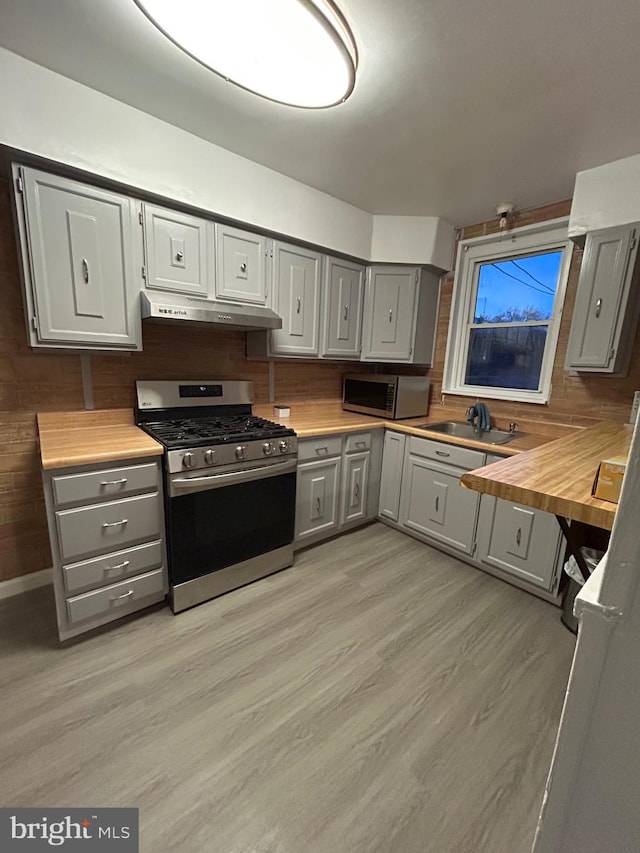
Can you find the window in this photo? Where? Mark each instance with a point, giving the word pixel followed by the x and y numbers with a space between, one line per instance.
pixel 508 294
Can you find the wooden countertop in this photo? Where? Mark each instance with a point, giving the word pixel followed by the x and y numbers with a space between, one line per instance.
pixel 100 435
pixel 558 477
pixel 325 417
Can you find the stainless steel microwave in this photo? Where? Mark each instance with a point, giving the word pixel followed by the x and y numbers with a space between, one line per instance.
pixel 384 395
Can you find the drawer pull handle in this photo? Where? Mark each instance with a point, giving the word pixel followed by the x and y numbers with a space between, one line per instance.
pixel 318 506
pixel 518 536
pixel 346 312
pixel 361 443
pixel 437 502
pixel 122 597
pixel 118 566
pixel 85 270
pixel 598 307
pixel 390 315
pixel 322 449
pixel 298 305
pixel 113 482
pixel 442 453
pixel 357 492
pixel 115 523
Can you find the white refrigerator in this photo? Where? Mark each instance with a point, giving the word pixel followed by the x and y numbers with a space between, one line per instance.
pixel 592 797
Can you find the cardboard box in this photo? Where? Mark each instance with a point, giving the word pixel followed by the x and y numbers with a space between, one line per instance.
pixel 608 481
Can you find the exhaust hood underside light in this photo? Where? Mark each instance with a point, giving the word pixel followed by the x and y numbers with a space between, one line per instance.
pixel 296 52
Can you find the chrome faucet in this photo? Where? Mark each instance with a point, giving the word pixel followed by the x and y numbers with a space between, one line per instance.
pixel 513 426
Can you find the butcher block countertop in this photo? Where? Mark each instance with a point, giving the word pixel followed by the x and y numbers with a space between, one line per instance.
pixel 325 417
pixel 84 437
pixel 558 476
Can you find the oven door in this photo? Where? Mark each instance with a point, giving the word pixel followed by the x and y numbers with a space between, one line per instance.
pixel 220 519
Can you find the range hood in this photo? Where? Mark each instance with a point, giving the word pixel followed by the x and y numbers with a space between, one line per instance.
pixel 190 309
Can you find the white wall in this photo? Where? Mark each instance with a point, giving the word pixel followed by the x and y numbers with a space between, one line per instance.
pixel 606 196
pixel 412 239
pixel 48 115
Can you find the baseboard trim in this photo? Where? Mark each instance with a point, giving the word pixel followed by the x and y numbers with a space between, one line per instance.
pixel 14 586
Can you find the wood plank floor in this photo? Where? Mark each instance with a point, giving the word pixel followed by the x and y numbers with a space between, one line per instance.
pixel 378 697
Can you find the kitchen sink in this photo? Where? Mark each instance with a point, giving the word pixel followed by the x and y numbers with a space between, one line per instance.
pixel 459 429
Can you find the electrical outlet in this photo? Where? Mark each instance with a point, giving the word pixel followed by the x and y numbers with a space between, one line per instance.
pixel 635 406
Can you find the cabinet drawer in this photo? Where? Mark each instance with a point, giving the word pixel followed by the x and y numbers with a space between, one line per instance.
pixel 461 457
pixel 115 598
pixel 108 526
pixel 320 448
pixel 104 485
pixel 112 567
pixel 357 442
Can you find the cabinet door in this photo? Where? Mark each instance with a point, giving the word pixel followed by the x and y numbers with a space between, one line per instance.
pixel 520 541
pixel 343 309
pixel 389 313
pixel 317 497
pixel 176 251
pixel 601 300
pixel 434 503
pixel 241 265
pixel 81 263
pixel 391 476
pixel 355 482
pixel 296 298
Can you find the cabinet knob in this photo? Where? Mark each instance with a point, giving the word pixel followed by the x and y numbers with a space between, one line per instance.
pixel 391 315
pixel 598 307
pixel 179 256
pixel 243 267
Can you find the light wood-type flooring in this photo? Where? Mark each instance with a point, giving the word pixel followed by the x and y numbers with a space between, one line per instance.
pixel 378 697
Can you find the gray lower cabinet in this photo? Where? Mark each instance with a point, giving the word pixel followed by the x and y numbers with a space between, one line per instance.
pixel 435 505
pixel 519 541
pixel 317 498
pixel 176 251
pixel 605 315
pixel 82 262
pixel 338 483
pixel 106 525
pixel 342 314
pixel 391 477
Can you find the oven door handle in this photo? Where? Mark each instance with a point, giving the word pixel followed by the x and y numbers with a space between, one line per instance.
pixel 216 481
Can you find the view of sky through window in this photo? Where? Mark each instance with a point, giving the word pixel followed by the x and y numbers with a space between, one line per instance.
pixel 517 290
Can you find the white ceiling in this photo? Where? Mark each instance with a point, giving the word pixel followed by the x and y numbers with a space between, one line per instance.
pixel 458 105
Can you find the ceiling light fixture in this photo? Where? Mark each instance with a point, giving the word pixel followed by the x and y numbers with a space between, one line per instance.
pixel 296 52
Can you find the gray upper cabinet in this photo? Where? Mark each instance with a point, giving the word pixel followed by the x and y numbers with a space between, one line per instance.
pixel 400 314
pixel 605 316
pixel 343 289
pixel 82 260
pixel 241 265
pixel 296 298
pixel 176 251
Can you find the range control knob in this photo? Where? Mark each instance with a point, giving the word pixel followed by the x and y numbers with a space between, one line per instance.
pixel 240 451
pixel 267 448
pixel 210 457
pixel 284 445
pixel 189 460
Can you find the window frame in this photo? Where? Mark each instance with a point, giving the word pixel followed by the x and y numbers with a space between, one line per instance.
pixel 529 239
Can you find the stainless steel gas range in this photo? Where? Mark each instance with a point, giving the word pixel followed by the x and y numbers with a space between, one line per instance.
pixel 230 485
